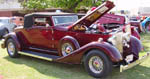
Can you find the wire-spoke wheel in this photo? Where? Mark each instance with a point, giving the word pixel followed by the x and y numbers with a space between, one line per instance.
pixel 11 48
pixel 97 64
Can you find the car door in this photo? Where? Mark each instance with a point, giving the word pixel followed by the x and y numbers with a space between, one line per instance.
pixel 40 34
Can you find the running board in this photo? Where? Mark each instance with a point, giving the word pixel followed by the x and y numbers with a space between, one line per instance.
pixel 39 55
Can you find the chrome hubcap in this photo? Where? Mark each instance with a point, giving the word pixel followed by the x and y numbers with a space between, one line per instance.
pixel 96 64
pixel 11 48
pixel 66 49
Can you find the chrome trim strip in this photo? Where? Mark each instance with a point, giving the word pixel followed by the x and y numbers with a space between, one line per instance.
pixel 42 50
pixel 35 56
pixel 145 57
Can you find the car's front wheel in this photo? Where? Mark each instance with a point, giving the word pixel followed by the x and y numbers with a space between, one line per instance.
pixel 11 48
pixel 97 64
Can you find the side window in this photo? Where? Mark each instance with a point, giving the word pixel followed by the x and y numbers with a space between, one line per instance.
pixel 42 21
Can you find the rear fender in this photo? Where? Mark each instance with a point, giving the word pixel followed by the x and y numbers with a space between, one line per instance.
pixel 14 37
pixel 77 55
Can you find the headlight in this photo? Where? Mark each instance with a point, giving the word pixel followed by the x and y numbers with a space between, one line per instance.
pixel 128 29
pixel 100 39
pixel 117 41
pixel 126 36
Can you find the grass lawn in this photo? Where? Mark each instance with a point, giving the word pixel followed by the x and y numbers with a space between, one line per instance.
pixel 32 68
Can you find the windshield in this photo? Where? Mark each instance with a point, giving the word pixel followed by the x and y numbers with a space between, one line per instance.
pixel 133 19
pixel 3 21
pixel 59 20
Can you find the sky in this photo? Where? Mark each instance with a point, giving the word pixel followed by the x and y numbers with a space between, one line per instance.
pixel 130 4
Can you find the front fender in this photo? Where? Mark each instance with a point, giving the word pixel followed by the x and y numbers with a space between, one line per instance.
pixel 135 32
pixel 14 37
pixel 136 46
pixel 78 54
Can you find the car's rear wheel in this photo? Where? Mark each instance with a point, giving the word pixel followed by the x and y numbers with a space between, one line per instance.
pixel 97 64
pixel 11 48
pixel 67 48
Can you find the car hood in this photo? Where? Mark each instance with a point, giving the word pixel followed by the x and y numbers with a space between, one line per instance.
pixel 1 24
pixel 111 18
pixel 94 15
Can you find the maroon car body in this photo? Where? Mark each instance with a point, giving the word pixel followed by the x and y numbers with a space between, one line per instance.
pixel 72 43
pixel 112 21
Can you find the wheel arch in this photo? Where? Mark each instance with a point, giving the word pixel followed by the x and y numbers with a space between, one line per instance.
pixel 7 29
pixel 87 51
pixel 112 54
pixel 77 56
pixel 14 37
pixel 136 45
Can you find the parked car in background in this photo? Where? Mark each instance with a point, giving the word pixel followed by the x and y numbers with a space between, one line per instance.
pixel 6 26
pixel 135 21
pixel 18 20
pixel 61 37
pixel 146 24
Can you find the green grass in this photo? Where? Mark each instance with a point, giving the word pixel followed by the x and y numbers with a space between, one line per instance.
pixel 32 68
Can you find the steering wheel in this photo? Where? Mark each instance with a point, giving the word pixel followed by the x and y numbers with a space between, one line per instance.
pixel 83 27
pixel 80 27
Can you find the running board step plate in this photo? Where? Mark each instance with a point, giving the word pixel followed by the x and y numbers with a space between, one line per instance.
pixel 39 55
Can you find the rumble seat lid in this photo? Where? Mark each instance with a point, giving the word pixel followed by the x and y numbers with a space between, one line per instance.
pixel 94 15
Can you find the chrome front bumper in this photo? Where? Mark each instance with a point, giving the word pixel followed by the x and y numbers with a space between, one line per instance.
pixel 142 59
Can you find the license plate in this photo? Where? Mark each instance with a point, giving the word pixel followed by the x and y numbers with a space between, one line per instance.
pixel 129 58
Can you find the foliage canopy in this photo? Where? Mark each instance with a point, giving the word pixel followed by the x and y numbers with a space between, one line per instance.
pixel 71 5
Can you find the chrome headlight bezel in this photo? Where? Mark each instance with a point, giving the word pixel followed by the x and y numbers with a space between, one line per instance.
pixel 117 41
pixel 126 36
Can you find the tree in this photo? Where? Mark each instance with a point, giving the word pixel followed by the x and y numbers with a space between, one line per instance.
pixel 36 4
pixel 75 4
pixel 71 5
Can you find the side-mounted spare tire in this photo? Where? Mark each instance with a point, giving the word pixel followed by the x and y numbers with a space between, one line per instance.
pixel 67 48
pixel 97 64
pixel 67 45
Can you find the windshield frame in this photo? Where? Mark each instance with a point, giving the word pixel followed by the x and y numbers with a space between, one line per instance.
pixel 5 21
pixel 55 24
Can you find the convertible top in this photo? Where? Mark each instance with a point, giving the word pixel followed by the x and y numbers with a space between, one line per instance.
pixel 28 19
pixel 48 14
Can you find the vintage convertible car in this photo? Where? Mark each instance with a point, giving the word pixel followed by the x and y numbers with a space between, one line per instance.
pixel 61 37
pixel 146 24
